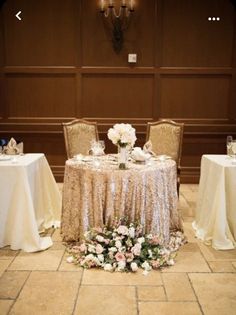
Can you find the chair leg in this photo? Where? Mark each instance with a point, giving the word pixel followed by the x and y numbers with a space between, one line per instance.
pixel 178 186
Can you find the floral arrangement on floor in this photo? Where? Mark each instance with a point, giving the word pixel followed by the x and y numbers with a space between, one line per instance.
pixel 124 247
pixel 122 135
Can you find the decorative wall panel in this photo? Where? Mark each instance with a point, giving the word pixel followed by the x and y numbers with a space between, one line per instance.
pixel 58 63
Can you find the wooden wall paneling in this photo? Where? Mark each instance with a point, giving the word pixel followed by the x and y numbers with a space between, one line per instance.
pixel 2 62
pixel 158 41
pixel 232 107
pixel 45 36
pixel 117 96
pixel 138 38
pixel 60 65
pixel 189 39
pixel 195 96
pixel 41 95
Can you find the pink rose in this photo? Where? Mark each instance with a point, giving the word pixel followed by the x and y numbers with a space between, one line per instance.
pixel 122 229
pixel 119 257
pixel 99 249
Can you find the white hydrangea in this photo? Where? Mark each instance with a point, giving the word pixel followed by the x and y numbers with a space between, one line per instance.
pixel 122 134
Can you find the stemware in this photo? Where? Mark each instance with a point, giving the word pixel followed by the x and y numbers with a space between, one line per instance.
pixel 229 140
pixel 97 147
pixel 233 150
pixel 102 145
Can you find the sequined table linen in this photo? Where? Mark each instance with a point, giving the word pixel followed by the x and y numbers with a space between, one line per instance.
pixel 96 192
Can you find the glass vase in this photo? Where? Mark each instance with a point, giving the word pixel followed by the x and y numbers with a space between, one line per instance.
pixel 122 157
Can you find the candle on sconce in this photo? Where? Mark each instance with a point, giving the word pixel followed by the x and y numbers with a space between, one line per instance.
pixel 110 3
pixel 131 5
pixel 102 5
pixel 123 3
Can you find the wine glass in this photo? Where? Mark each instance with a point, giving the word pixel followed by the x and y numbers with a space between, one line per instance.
pixel 229 141
pixel 102 145
pixel 233 151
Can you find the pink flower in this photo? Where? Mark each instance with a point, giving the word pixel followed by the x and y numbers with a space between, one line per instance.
pixel 99 249
pixel 119 257
pixel 129 257
pixel 155 264
pixel 122 229
pixel 155 240
pixel 83 248
pixel 136 249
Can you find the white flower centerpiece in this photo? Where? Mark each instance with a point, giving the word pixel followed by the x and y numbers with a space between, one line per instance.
pixel 124 247
pixel 122 135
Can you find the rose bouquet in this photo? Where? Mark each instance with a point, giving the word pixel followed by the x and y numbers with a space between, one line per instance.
pixel 124 248
pixel 122 135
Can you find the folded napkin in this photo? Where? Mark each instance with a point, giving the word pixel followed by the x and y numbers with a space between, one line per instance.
pixel 147 148
pixel 139 155
pixel 13 148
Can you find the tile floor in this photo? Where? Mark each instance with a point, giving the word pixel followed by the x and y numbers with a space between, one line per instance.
pixel 203 281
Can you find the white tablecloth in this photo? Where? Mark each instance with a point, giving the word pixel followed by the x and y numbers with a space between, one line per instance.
pixel 215 221
pixel 30 202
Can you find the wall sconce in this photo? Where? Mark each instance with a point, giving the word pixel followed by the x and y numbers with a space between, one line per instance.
pixel 117 19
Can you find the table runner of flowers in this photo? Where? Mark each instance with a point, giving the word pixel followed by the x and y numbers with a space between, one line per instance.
pixel 124 247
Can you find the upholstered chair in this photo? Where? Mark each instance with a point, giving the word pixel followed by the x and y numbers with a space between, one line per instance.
pixel 166 137
pixel 78 135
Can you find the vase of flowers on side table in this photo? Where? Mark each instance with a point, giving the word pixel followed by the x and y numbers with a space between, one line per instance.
pixel 122 135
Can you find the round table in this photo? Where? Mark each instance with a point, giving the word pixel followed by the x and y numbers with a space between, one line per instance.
pixel 95 192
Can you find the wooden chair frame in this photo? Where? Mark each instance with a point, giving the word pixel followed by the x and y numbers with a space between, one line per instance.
pixel 173 123
pixel 75 122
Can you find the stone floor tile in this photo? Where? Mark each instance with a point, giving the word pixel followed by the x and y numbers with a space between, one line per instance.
pixel 169 308
pixel 189 232
pixel 5 306
pixel 106 300
pixel 188 219
pixel 191 196
pixel 57 246
pixel 188 262
pixel 190 247
pixel 48 293
pixel 45 260
pixel 98 277
pixel 149 293
pixel 7 253
pixel 212 254
pixel 65 266
pixel 216 292
pixel 11 283
pixel 185 187
pixel 221 266
pixel 178 287
pixel 56 236
pixel 4 263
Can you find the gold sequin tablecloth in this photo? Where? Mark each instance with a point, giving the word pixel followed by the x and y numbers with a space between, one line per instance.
pixel 95 192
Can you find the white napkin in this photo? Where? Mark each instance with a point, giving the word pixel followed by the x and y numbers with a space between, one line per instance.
pixel 13 148
pixel 139 155
pixel 147 148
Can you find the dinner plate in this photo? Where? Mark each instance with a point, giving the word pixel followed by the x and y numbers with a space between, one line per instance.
pixel 162 157
pixel 5 158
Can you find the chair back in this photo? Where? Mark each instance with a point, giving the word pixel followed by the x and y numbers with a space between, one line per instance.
pixel 166 137
pixel 78 135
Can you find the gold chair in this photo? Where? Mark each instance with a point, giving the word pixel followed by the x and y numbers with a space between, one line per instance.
pixel 166 137
pixel 78 135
